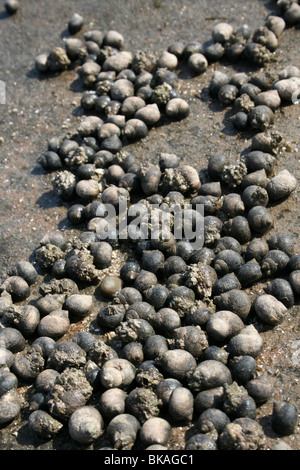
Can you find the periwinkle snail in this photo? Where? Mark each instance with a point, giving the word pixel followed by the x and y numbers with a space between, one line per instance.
pixel 175 319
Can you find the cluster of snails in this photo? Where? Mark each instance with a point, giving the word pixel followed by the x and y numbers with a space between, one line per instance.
pixel 175 342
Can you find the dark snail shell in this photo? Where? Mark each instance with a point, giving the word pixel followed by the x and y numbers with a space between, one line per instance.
pixel 216 165
pixel 227 261
pixel 258 160
pixel 249 273
pixel 285 415
pixel 282 290
pixel 228 243
pixel 233 205
pixel 256 249
pixel 130 271
pixel 135 330
pixel 176 363
pixel 226 283
pixel 294 263
pixel 141 309
pixel 236 301
pixel 274 262
pixel 283 242
pixel 238 228
pixel 111 316
pixel 260 220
